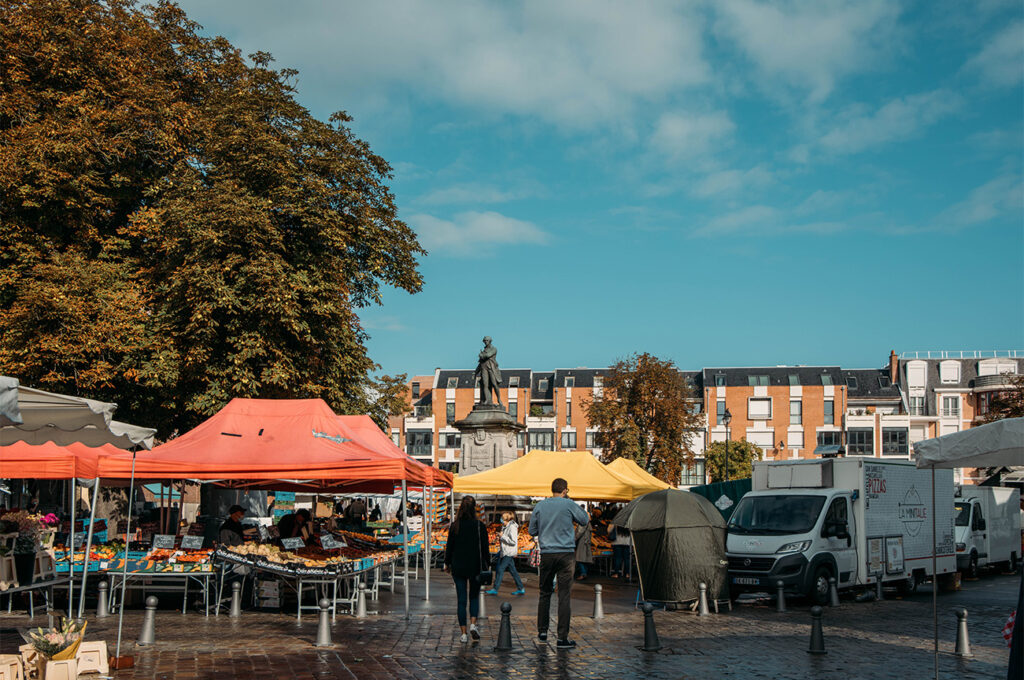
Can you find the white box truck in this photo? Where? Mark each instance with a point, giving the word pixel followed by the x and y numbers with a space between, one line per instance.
pixel 987 528
pixel 856 519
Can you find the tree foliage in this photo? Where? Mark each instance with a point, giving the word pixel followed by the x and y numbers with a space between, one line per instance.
pixel 742 455
pixel 177 229
pixel 645 414
pixel 1008 403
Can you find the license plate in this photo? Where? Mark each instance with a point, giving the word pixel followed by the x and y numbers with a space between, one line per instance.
pixel 745 581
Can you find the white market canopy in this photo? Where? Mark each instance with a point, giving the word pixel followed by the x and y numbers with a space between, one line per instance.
pixel 996 444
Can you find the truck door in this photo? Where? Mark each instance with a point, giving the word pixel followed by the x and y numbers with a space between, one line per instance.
pixel 979 533
pixel 838 531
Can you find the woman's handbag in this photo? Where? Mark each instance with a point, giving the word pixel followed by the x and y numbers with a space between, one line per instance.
pixel 485 576
pixel 534 560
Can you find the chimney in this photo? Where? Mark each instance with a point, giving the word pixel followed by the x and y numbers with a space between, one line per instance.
pixel 894 367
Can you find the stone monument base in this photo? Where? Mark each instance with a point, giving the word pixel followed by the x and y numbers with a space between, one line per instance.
pixel 488 438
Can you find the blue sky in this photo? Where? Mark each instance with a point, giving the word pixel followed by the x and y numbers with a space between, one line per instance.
pixel 719 183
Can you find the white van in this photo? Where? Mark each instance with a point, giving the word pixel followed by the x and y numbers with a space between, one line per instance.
pixel 856 519
pixel 987 527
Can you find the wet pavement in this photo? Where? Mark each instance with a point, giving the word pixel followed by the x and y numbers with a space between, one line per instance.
pixel 889 639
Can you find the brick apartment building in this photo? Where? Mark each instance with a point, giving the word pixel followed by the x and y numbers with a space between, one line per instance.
pixel 791 412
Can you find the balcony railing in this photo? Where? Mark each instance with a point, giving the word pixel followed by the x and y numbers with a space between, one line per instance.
pixel 950 413
pixel 986 383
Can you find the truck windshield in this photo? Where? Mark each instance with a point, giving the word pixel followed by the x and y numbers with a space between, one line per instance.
pixel 963 514
pixel 776 514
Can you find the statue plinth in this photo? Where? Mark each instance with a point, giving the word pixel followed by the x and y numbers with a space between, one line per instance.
pixel 488 438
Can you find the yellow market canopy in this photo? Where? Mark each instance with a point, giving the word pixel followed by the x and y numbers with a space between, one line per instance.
pixel 532 475
pixel 637 476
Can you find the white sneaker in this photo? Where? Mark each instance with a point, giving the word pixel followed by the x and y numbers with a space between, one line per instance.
pixel 464 638
pixel 474 632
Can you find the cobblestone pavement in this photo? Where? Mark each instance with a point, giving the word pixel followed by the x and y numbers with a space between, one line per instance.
pixel 890 639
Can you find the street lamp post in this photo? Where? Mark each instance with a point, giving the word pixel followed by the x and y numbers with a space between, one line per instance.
pixel 726 419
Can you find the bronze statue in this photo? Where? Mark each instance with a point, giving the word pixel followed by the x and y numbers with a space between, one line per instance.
pixel 488 373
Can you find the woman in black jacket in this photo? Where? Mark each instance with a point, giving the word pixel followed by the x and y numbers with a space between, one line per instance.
pixel 465 556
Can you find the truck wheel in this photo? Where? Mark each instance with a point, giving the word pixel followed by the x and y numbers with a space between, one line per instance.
pixel 818 592
pixel 907 586
pixel 972 566
pixel 1013 563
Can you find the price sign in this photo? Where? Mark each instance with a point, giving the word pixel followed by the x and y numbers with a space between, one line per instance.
pixel 329 542
pixel 264 533
pixel 163 542
pixel 192 542
pixel 79 539
pixel 293 543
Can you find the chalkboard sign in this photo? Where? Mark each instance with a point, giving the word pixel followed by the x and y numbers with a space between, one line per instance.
pixel 163 542
pixel 293 543
pixel 192 542
pixel 79 540
pixel 329 542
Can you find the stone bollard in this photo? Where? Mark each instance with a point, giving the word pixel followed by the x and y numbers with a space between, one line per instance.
pixel 598 602
pixel 483 606
pixel 833 592
pixel 780 597
pixel 651 641
pixel 102 602
pixel 236 599
pixel 963 643
pixel 878 590
pixel 702 602
pixel 817 636
pixel 505 629
pixel 323 629
pixel 148 634
pixel 361 602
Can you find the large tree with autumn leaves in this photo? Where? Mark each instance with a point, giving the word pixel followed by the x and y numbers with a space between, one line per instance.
pixel 177 230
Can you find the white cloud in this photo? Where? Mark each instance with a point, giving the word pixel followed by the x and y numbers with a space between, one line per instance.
pixel 468 193
pixel 1002 196
pixel 679 135
pixel 809 45
pixel 896 120
pixel 1001 62
pixel 763 220
pixel 474 233
pixel 384 323
pixel 732 181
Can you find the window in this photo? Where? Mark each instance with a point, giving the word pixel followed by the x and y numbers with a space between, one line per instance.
pixel 835 518
pixel 978 519
pixel 519 440
pixel 894 442
pixel 570 381
pixel 766 440
pixel 884 381
pixel 598 382
pixel 513 381
pixel 830 412
pixel 569 440
pixel 851 382
pixel 543 439
pixel 829 439
pixel 861 442
pixel 720 380
pixel 591 439
pixel 419 443
pixel 513 409
pixel 796 412
pixel 694 408
pixel 796 440
pixel 450 440
pixel 949 372
pixel 951 406
pixel 916 373
pixel 415 390
pixel 720 409
pixel 759 409
pixel 547 410
pixel 422 411
pixel 396 438
pixel 692 474
pixel 757 380
pixel 917 406
pixel 449 415
pixel 568 413
pixel 826 379
pixel 453 383
pixel 542 385
pixel 794 379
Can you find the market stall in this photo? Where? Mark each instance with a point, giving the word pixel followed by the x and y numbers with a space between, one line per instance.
pixel 532 474
pixel 638 477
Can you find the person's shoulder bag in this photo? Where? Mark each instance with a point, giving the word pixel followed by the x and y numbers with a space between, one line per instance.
pixel 485 576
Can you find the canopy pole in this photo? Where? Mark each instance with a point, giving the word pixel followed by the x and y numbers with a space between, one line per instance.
pixel 405 542
pixel 71 552
pixel 88 548
pixel 636 560
pixel 124 568
pixel 935 581
pixel 426 541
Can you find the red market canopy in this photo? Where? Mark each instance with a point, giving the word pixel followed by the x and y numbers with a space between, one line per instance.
pixel 278 443
pixel 53 461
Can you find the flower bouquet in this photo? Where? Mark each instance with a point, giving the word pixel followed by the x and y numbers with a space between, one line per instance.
pixel 57 644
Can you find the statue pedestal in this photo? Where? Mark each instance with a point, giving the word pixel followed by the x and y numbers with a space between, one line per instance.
pixel 488 438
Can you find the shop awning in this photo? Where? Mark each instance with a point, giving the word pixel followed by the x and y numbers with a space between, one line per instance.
pixel 638 477
pixel 532 474
pixel 996 444
pixel 53 461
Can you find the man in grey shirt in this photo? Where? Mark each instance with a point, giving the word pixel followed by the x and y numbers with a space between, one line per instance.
pixel 552 524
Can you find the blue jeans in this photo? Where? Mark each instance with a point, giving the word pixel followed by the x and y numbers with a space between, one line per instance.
pixel 506 563
pixel 620 559
pixel 462 585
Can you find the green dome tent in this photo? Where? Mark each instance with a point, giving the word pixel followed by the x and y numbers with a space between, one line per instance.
pixel 679 540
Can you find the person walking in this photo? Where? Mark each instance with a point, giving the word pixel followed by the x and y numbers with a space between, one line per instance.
pixel 465 556
pixel 508 547
pixel 584 551
pixel 552 524
pixel 620 550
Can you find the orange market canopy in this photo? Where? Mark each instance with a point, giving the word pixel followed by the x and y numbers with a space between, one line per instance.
pixel 640 478
pixel 296 444
pixel 532 474
pixel 53 461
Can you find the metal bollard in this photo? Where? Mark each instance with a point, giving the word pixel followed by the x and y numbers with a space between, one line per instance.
pixel 483 606
pixel 833 592
pixel 236 599
pixel 361 602
pixel 963 643
pixel 651 641
pixel 817 636
pixel 878 590
pixel 102 602
pixel 148 634
pixel 702 602
pixel 780 597
pixel 323 629
pixel 598 602
pixel 505 629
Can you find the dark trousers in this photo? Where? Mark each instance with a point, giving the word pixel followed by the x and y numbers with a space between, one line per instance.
pixel 506 563
pixel 552 565
pixel 620 559
pixel 467 589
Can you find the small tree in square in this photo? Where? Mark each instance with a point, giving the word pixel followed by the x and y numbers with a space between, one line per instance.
pixel 742 455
